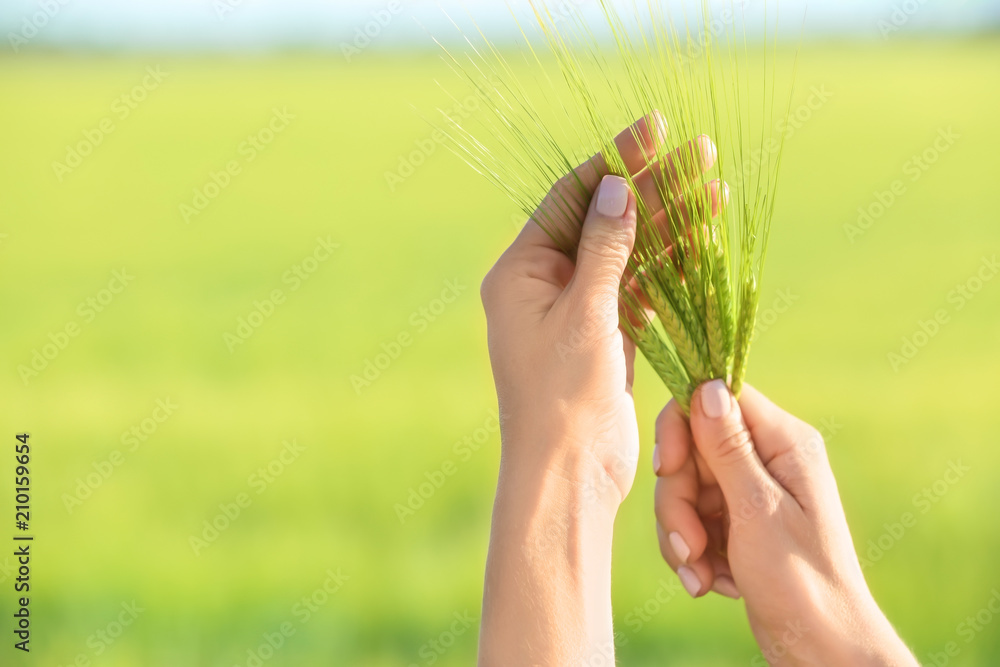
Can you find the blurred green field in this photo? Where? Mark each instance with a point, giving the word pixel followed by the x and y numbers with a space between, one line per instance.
pixel 893 433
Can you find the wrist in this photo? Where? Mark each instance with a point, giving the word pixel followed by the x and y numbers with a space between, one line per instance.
pixel 861 636
pixel 563 466
pixel 550 549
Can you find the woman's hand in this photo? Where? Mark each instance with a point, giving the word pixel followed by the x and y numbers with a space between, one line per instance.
pixel 746 503
pixel 570 441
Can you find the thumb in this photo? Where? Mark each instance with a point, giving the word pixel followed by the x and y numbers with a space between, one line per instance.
pixel 724 441
pixel 606 240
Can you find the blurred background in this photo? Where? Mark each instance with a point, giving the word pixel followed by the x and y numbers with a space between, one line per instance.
pixel 239 284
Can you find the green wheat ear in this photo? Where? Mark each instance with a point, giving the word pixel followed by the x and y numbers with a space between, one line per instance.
pixel 553 103
pixel 747 321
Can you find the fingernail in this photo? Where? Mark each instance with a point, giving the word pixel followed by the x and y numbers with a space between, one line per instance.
pixel 612 197
pixel 681 547
pixel 726 586
pixel 656 460
pixel 715 399
pixel 661 125
pixel 709 153
pixel 689 580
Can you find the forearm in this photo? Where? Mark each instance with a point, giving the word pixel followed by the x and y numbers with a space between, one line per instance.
pixel 855 632
pixel 547 598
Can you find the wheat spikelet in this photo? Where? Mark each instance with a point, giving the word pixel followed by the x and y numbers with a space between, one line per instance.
pixel 716 335
pixel 724 289
pixel 666 364
pixel 748 317
pixel 690 354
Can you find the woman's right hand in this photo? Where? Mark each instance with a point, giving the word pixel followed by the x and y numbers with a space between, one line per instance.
pixel 747 505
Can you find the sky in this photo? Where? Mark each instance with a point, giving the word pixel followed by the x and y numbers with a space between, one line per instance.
pixel 237 25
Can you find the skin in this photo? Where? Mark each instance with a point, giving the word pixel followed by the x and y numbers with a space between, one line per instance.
pixel 746 502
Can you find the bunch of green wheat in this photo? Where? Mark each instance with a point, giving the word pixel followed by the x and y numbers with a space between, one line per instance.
pixel 690 297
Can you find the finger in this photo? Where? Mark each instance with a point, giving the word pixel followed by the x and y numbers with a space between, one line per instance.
pixel 676 217
pixel 675 500
pixel 638 144
pixel 725 443
pixel 697 577
pixel 724 584
pixel 758 409
pixel 673 441
pixel 711 503
pixel 678 172
pixel 605 246
pixel 628 347
pixel 685 208
pixel 636 308
pixel 792 451
pixel 568 201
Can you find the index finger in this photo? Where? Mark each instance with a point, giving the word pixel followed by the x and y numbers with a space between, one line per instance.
pixel 561 213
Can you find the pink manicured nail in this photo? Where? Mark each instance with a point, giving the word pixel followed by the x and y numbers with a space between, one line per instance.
pixel 709 153
pixel 689 580
pixel 726 586
pixel 612 197
pixel 661 126
pixel 680 547
pixel 656 460
pixel 716 401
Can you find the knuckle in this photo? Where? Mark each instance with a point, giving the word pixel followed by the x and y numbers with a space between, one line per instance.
pixel 661 503
pixel 809 443
pixel 600 307
pixel 662 420
pixel 770 501
pixel 485 289
pixel 490 284
pixel 813 439
pixel 608 247
pixel 733 443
